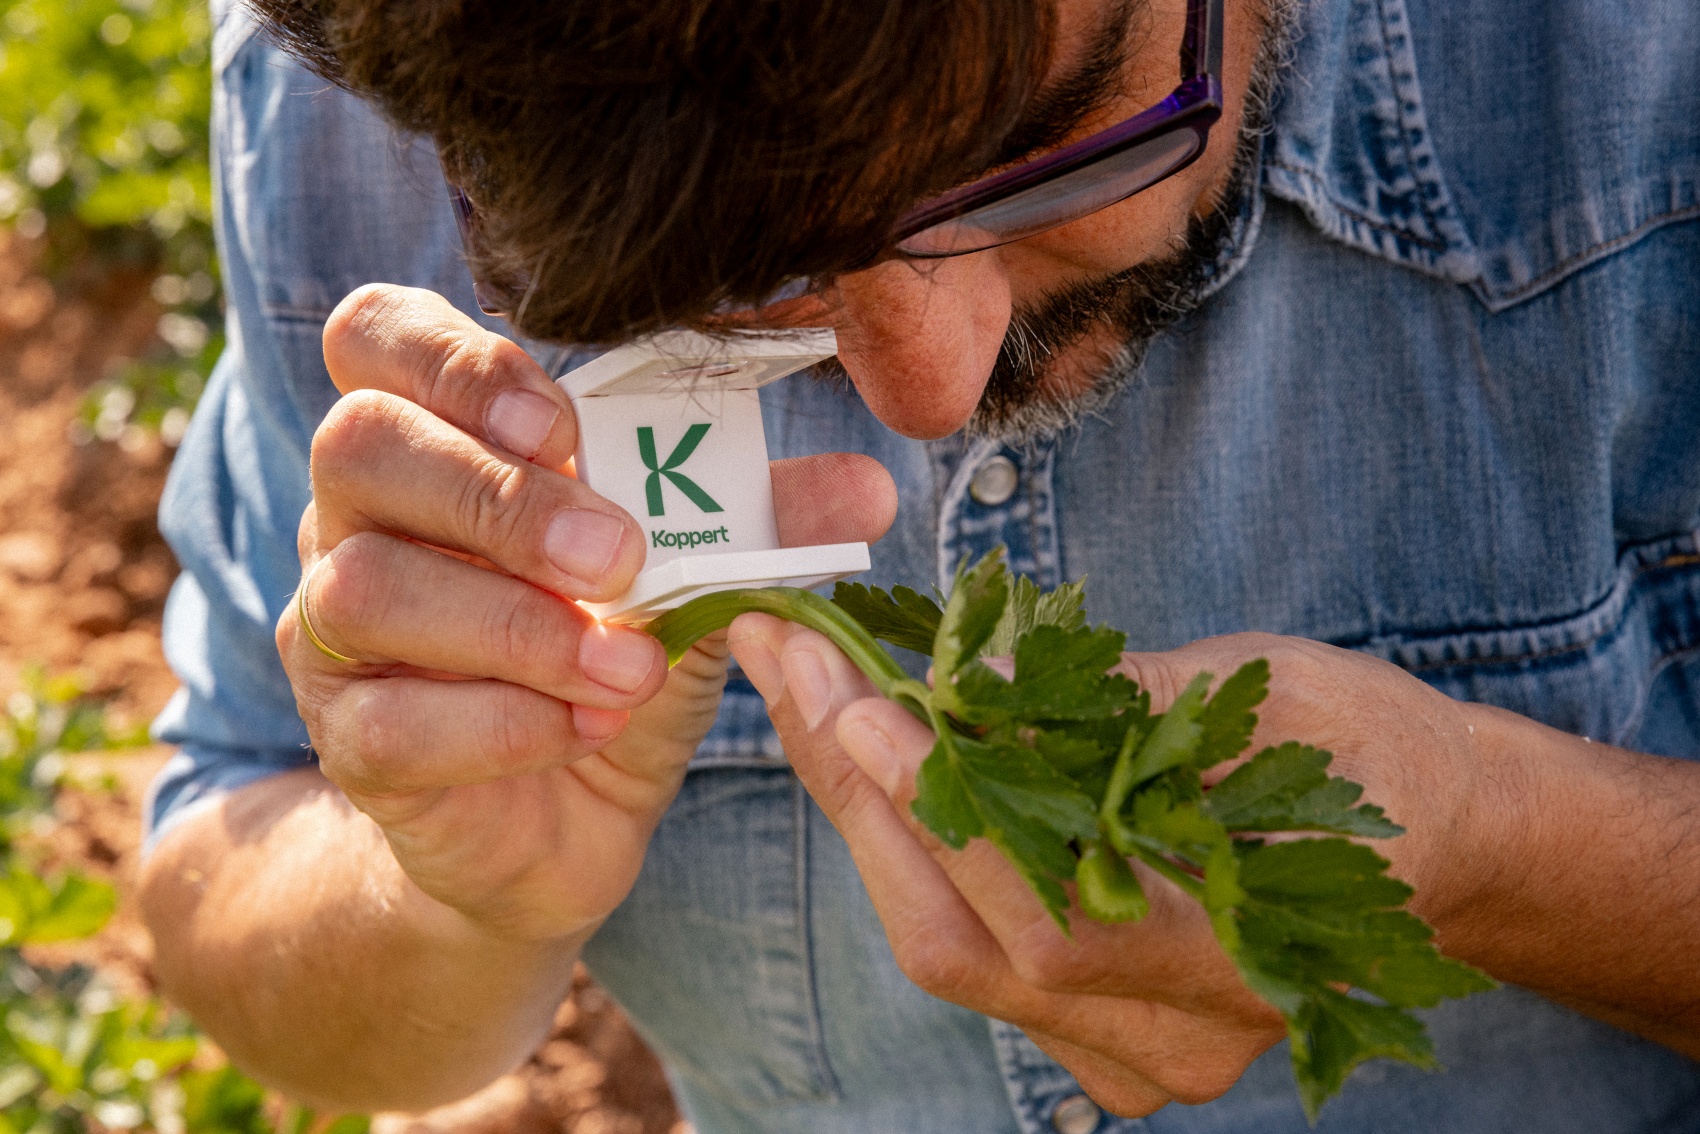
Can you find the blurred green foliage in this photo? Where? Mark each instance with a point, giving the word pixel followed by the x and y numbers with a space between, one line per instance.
pixel 105 110
pixel 154 394
pixel 71 1051
pixel 74 1057
pixel 46 720
pixel 104 117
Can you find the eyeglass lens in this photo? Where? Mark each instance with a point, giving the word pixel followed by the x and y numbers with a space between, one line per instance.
pixel 1059 201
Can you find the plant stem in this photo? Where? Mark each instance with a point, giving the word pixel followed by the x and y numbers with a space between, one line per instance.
pixel 679 629
pixel 1156 861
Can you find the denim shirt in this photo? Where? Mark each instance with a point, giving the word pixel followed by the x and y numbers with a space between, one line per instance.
pixel 1443 407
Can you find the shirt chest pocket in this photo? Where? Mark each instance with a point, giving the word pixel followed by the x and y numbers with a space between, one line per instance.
pixel 1508 170
pixel 711 955
pixel 1624 671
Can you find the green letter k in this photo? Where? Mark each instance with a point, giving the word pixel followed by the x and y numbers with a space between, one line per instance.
pixel 681 453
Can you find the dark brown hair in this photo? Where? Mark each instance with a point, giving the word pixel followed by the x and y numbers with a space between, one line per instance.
pixel 647 162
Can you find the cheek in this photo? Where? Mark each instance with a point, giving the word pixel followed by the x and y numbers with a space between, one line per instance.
pixel 1148 226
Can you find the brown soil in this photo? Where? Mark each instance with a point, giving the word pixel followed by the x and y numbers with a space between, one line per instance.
pixel 83 579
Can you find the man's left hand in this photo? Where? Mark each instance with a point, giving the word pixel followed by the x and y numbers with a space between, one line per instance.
pixel 1141 1014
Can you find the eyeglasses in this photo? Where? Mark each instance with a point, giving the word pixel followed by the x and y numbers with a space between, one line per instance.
pixel 1048 192
pixel 1092 174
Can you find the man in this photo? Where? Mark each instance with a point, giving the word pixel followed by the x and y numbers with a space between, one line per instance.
pixel 1409 371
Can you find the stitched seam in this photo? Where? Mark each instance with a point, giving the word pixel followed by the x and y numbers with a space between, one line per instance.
pixel 1599 251
pixel 1428 245
pixel 1399 114
pixel 1604 636
pixel 826 1085
pixel 284 313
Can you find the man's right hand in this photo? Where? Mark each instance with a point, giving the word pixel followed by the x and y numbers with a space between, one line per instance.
pixel 515 753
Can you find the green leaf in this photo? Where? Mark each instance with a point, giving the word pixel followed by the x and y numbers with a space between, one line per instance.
pixel 903 617
pixel 1170 741
pixel 1073 756
pixel 1109 892
pixel 34 910
pixel 1227 718
pixel 1011 796
pixel 1324 911
pixel 1319 913
pixel 1287 788
pixel 223 1102
pixel 970 615
pixel 1059 675
pixel 1332 1034
pixel 1029 607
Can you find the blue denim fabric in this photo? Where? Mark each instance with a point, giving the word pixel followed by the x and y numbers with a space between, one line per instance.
pixel 1443 408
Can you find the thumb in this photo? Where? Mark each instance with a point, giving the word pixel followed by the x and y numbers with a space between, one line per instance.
pixel 832 498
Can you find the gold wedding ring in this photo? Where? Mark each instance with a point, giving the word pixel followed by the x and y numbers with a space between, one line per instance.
pixel 307 623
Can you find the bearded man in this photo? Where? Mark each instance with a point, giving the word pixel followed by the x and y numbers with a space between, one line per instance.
pixel 1387 375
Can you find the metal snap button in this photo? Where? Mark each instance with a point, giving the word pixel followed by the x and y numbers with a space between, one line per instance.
pixel 1076 1114
pixel 994 482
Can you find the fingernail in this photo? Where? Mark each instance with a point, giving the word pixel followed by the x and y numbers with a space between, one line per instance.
pixel 871 749
pixel 808 683
pixel 584 544
pixel 620 659
pixel 519 421
pixel 597 726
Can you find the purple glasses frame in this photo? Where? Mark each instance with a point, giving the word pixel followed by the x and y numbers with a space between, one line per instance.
pixel 965 219
pixel 1183 118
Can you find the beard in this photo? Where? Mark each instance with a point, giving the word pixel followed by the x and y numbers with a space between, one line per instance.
pixel 1024 398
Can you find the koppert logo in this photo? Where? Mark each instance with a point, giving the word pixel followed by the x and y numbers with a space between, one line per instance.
pixel 680 454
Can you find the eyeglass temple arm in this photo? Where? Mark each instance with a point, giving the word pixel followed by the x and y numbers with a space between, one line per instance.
pixel 1201 50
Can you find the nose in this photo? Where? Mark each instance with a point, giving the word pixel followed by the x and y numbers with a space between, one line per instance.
pixel 919 339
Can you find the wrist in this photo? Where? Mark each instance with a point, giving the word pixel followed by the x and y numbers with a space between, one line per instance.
pixel 1498 860
pixel 499 926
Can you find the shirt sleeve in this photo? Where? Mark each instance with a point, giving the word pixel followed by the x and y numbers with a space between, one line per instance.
pixel 314 196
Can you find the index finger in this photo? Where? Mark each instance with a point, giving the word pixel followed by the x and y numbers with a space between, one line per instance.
pixel 415 344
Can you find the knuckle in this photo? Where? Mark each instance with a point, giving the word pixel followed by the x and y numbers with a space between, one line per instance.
pixel 490 508
pixel 933 963
pixel 1301 662
pixel 366 741
pixel 362 313
pixel 511 732
pixel 523 727
pixel 445 364
pixel 1154 677
pixel 844 787
pixel 1258 643
pixel 350 430
pixel 521 629
pixel 1043 958
pixel 1198 1082
pixel 356 585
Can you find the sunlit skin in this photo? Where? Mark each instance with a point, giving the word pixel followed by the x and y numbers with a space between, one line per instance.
pixel 919 339
pixel 394 927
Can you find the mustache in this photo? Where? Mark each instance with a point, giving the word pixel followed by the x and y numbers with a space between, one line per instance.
pixel 1026 397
